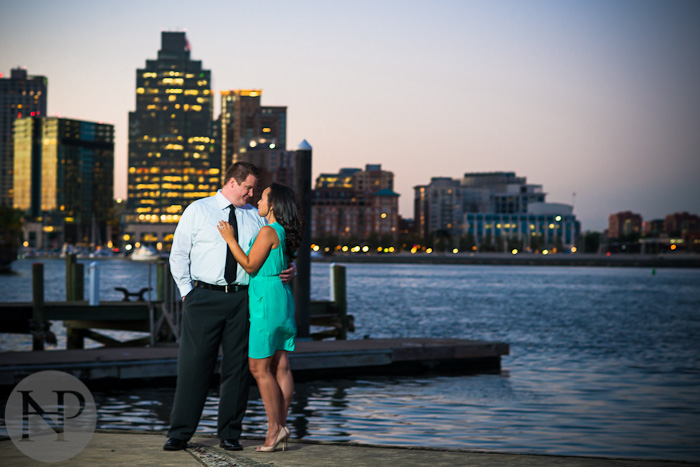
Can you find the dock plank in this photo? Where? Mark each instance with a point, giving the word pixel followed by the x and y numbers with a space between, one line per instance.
pixel 347 356
pixel 114 311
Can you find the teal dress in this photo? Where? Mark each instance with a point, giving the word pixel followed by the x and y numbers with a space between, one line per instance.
pixel 272 325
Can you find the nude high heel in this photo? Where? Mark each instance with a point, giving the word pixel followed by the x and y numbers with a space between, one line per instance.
pixel 282 437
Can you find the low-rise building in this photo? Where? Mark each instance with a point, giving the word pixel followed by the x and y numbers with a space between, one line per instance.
pixel 624 224
pixel 495 210
pixel 355 203
pixel 680 223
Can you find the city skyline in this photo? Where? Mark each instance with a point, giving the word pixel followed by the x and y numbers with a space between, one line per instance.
pixel 595 98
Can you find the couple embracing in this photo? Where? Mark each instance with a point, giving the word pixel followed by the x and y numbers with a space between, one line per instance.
pixel 241 302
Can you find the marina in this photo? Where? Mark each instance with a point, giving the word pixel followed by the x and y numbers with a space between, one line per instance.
pixel 602 361
pixel 154 358
pixel 491 209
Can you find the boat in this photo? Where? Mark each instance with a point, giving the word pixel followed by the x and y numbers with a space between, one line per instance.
pixel 102 253
pixel 145 253
pixel 68 249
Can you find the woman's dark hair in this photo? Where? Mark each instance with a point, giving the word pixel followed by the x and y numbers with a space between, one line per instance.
pixel 284 206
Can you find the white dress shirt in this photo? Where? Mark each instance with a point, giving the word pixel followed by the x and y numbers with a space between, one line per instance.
pixel 199 251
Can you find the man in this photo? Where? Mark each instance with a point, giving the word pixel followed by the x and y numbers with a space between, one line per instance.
pixel 215 312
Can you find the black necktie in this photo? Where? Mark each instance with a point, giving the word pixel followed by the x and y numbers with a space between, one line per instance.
pixel 231 265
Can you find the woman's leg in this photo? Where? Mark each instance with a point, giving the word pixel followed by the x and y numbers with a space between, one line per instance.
pixel 271 396
pixel 285 381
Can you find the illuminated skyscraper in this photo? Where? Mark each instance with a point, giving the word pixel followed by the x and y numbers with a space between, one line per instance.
pixel 20 96
pixel 172 152
pixel 63 177
pixel 246 125
pixel 256 134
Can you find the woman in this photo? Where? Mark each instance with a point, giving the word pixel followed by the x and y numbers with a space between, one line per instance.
pixel 272 325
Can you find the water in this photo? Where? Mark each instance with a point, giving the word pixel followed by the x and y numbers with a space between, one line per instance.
pixel 17 287
pixel 604 361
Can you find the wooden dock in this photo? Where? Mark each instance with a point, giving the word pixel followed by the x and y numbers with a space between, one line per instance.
pixel 160 317
pixel 314 359
pixel 130 363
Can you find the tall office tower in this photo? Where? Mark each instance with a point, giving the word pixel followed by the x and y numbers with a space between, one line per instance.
pixel 20 96
pixel 247 126
pixel 276 166
pixel 63 177
pixel 172 158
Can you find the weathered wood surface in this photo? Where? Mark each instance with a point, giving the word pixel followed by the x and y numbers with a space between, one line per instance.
pixel 311 358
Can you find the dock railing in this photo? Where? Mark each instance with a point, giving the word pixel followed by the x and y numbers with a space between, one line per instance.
pixel 166 315
pixel 158 312
pixel 166 324
pixel 333 313
pixel 160 317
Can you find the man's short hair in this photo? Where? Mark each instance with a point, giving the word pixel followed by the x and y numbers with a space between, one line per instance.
pixel 240 171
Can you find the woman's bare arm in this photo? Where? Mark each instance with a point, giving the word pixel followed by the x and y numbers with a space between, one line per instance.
pixel 265 241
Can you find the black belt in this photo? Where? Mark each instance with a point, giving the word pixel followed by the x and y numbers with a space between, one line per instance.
pixel 222 288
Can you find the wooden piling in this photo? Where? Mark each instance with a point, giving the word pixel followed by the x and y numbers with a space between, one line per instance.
pixel 78 281
pixel 70 289
pixel 38 309
pixel 160 280
pixel 340 297
pixel 74 292
pixel 75 338
pixel 301 285
pixel 75 279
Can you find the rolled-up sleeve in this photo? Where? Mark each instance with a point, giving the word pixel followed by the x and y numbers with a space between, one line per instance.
pixel 180 252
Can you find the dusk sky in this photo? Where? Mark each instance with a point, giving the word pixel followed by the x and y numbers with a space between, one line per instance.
pixel 600 98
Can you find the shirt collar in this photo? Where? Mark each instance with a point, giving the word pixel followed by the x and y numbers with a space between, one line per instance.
pixel 223 203
pixel 221 200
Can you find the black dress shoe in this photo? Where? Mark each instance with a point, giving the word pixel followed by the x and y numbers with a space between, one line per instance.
pixel 231 445
pixel 175 445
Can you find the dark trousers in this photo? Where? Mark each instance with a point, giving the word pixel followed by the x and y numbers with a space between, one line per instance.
pixel 210 319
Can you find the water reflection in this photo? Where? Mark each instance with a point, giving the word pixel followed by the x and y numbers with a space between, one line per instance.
pixel 431 411
pixel 603 362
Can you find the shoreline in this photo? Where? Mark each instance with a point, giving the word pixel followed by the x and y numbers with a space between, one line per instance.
pixel 671 260
pixel 521 259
